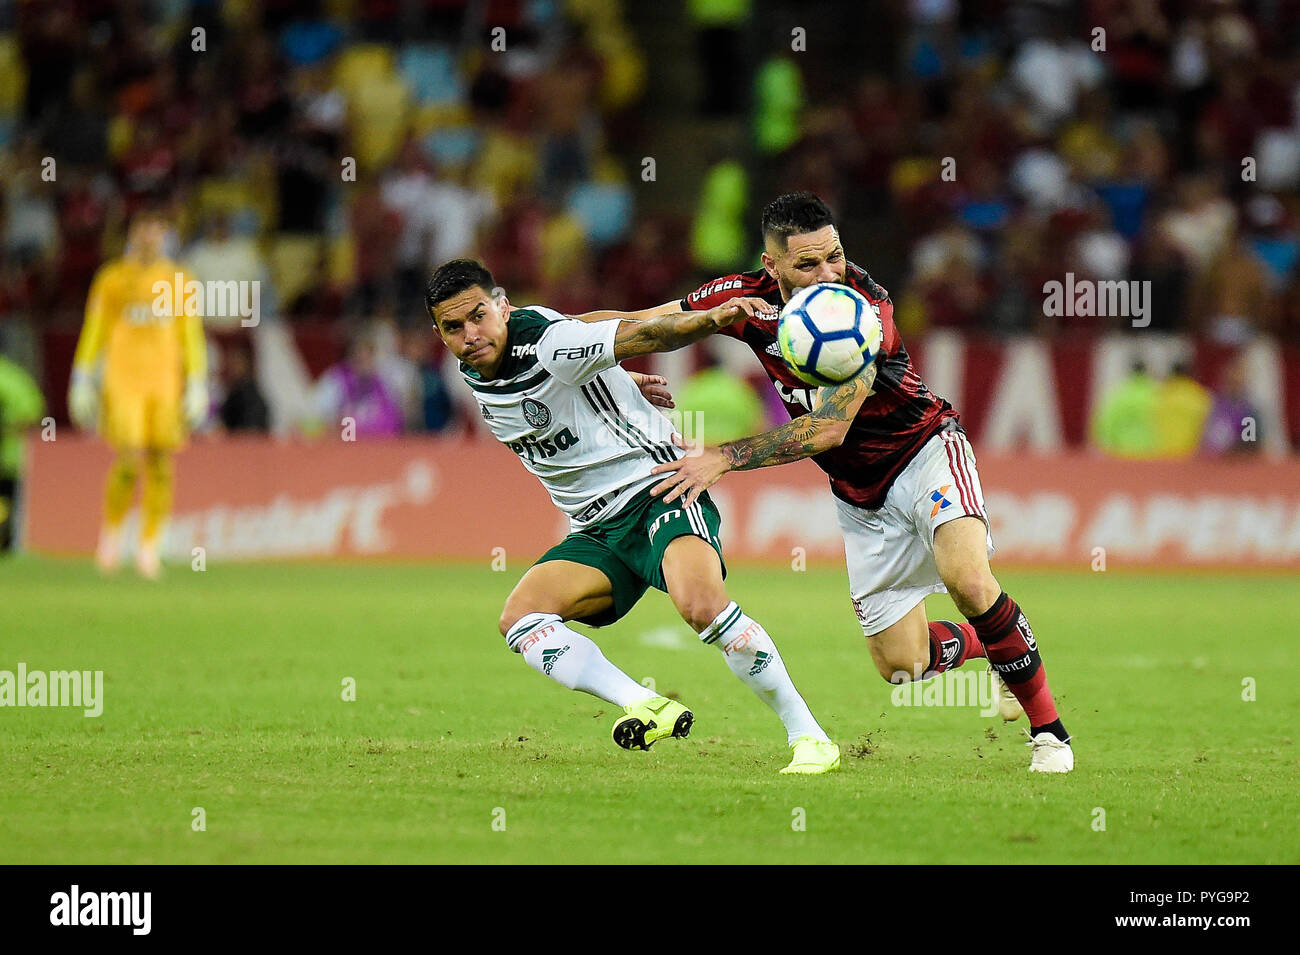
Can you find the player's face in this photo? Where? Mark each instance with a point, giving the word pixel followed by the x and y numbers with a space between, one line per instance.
pixel 473 324
pixel 807 259
pixel 147 238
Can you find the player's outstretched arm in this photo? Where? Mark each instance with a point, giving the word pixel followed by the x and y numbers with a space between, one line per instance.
pixel 823 428
pixel 604 315
pixel 673 331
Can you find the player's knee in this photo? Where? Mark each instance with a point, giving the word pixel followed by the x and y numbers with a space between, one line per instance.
pixel 515 609
pixel 900 667
pixel 129 461
pixel 973 591
pixel 699 606
pixel 506 620
pixel 524 604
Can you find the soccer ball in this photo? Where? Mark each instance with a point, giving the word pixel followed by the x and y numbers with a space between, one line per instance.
pixel 828 333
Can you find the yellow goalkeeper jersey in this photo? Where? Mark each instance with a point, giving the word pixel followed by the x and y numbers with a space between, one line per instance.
pixel 136 322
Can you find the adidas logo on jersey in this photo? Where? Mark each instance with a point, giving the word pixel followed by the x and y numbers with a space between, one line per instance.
pixel 773 349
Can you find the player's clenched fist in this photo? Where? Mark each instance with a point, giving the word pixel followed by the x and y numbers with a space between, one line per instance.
pixel 739 308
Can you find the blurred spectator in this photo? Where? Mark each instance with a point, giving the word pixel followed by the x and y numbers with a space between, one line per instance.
pixel 719 29
pixel 947 278
pixel 375 227
pixel 1042 179
pixel 717 406
pixel 400 373
pixel 354 393
pixel 569 124
pixel 1181 407
pixel 1231 304
pixel 31 221
pixel 83 219
pixel 647 267
pixel 1232 426
pixel 1051 71
pixel 1124 422
pixel 1273 238
pixel 1138 41
pixel 721 234
pixel 437 409
pixel 779 103
pixel 77 131
pixel 21 406
pixel 148 169
pixel 221 256
pixel 1200 226
pixel 244 408
pixel 1142 168
pixel 1158 262
pixel 439 220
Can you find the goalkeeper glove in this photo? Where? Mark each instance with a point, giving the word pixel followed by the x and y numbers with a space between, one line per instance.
pixel 196 402
pixel 83 400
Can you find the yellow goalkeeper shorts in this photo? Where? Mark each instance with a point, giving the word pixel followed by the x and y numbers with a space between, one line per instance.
pixel 134 420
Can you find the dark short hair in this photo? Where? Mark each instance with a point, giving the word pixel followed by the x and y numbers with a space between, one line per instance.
pixel 452 278
pixel 795 213
pixel 152 210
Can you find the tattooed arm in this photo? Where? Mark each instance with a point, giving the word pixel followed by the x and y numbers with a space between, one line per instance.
pixel 823 428
pixel 820 430
pixel 668 332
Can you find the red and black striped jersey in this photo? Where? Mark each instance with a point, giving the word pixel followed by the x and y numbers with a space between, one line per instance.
pixel 892 424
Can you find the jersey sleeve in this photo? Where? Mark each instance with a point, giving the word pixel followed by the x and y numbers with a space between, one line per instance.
pixel 93 332
pixel 194 350
pixel 576 352
pixel 879 298
pixel 714 293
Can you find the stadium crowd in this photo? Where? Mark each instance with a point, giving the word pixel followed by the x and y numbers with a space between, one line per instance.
pixel 335 151
pixel 1114 139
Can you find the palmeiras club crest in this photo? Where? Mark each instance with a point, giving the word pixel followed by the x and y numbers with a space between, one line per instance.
pixel 536 413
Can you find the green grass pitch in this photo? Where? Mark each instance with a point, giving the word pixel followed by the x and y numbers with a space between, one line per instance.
pixel 223 690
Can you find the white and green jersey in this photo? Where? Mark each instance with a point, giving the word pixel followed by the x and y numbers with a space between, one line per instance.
pixel 575 418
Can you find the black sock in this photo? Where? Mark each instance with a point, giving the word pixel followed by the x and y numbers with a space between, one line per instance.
pixel 1056 728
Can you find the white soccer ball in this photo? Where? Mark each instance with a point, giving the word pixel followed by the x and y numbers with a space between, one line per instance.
pixel 828 333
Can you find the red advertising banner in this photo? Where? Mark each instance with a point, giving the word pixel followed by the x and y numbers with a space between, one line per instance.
pixel 262 499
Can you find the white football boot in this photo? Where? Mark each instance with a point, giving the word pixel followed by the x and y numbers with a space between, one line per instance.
pixel 147 561
pixel 1050 755
pixel 109 552
pixel 1009 707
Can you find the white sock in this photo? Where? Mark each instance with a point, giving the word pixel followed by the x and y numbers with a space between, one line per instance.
pixel 753 657
pixel 571 660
